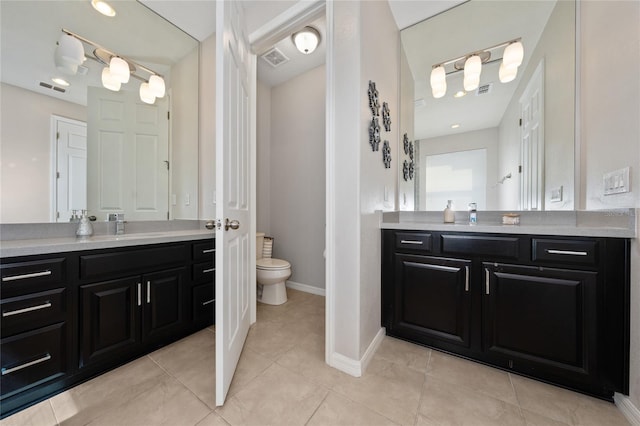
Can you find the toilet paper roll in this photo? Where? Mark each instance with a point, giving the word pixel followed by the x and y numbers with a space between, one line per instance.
pixel 267 248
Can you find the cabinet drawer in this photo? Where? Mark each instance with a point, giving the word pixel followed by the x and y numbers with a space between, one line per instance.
pixel 34 310
pixel 582 252
pixel 29 359
pixel 204 271
pixel 204 250
pixel 204 303
pixel 481 245
pixel 25 277
pixel 127 262
pixel 414 241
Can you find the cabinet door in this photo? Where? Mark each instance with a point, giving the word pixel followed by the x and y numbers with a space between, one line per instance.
pixel 541 320
pixel 163 303
pixel 432 299
pixel 110 318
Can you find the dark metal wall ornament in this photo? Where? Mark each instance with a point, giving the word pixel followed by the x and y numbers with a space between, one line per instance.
pixel 374 103
pixel 374 134
pixel 386 116
pixel 405 143
pixel 386 155
pixel 411 170
pixel 405 170
pixel 407 166
pixel 411 151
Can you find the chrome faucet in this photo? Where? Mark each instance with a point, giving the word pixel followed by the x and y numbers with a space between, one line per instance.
pixel 118 218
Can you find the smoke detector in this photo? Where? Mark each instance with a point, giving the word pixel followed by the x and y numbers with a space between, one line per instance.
pixel 275 57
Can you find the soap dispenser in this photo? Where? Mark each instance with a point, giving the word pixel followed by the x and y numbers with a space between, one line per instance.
pixel 85 229
pixel 449 214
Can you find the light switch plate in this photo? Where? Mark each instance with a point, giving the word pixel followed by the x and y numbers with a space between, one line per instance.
pixel 616 182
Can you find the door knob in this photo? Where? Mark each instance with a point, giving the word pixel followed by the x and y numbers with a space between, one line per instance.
pixel 233 224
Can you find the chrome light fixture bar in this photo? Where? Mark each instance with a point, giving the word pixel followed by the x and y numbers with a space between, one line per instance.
pixel 471 65
pixel 117 68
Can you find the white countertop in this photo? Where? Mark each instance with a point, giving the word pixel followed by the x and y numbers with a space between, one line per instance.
pixel 620 223
pixel 34 246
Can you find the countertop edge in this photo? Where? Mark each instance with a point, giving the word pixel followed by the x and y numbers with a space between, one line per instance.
pixel 15 248
pixel 558 230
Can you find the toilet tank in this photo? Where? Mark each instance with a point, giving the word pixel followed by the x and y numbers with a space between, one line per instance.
pixel 259 244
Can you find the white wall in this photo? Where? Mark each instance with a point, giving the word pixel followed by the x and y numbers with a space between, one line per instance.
pixel 406 189
pixel 25 152
pixel 207 124
pixel 296 161
pixel 478 139
pixel 558 114
pixel 610 125
pixel 263 158
pixel 184 137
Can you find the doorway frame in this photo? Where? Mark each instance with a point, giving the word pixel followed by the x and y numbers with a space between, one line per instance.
pixel 53 156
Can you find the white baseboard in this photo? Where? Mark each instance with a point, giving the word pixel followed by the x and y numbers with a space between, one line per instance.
pixel 306 288
pixel 630 411
pixel 354 367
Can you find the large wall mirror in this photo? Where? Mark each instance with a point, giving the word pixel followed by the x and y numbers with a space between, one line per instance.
pixel 75 144
pixel 503 145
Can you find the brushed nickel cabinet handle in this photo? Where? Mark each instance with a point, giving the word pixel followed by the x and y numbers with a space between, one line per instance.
pixel 208 302
pixel 25 310
pixel 567 252
pixel 486 280
pixel 417 243
pixel 47 357
pixel 207 251
pixel 148 292
pixel 466 280
pixel 25 276
pixel 206 271
pixel 139 294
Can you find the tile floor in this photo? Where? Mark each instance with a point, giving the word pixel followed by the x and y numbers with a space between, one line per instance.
pixel 282 380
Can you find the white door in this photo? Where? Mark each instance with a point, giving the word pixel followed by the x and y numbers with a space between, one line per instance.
pixel 532 142
pixel 71 167
pixel 128 155
pixel 235 191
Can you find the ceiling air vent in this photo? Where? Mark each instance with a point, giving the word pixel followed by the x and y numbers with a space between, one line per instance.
pixel 52 87
pixel 485 89
pixel 275 57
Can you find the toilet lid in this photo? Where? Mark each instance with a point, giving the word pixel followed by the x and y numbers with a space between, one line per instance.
pixel 272 264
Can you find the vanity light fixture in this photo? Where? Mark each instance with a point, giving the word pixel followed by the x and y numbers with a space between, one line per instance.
pixel 104 8
pixel 117 70
pixel 471 65
pixel 306 40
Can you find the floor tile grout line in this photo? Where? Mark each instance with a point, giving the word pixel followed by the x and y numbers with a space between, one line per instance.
pixel 517 398
pixel 53 410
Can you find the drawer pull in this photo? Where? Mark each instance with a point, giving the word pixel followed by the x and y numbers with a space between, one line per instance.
pixel 25 310
pixel 47 357
pixel 417 243
pixel 139 294
pixel 207 251
pixel 25 276
pixel 148 292
pixel 567 252
pixel 206 271
pixel 208 302
pixel 466 279
pixel 486 280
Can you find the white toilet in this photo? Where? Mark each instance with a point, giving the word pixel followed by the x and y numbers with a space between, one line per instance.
pixel 271 273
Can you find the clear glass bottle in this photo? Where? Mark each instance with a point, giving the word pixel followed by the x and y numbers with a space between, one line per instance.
pixel 449 213
pixel 473 214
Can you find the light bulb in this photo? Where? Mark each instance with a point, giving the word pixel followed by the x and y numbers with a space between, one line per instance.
pixel 103 7
pixel 438 82
pixel 513 54
pixel 119 69
pixel 306 40
pixel 146 95
pixel 471 82
pixel 108 81
pixel 68 54
pixel 156 84
pixel 473 66
pixel 506 73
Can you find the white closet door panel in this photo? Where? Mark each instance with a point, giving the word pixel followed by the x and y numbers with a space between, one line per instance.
pixel 110 164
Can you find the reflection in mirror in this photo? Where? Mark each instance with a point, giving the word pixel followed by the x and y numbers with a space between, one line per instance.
pixel 70 143
pixel 504 146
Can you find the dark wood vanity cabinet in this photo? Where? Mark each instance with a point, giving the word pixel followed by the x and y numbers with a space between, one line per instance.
pixel 70 316
pixel 552 308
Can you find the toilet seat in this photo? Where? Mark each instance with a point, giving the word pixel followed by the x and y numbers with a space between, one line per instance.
pixel 271 264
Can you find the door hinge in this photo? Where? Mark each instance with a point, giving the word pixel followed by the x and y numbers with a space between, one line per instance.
pixel 57 175
pixel 57 135
pixel 167 215
pixel 167 163
pixel 168 115
pixel 57 215
pixel 520 122
pixel 519 169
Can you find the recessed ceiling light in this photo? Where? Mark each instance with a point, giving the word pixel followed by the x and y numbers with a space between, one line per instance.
pixel 459 94
pixel 103 7
pixel 60 81
pixel 455 126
